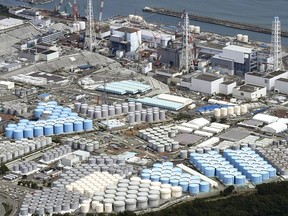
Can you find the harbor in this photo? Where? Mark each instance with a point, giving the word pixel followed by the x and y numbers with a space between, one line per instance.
pixel 213 20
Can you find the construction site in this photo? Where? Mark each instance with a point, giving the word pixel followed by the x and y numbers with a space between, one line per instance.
pixel 106 116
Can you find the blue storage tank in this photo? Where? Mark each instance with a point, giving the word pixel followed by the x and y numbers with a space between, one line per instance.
pixel 78 126
pixel 195 177
pixel 48 130
pixel 18 134
pixel 209 171
pixel 24 121
pixel 22 124
pixel 53 117
pixel 204 186
pixel 38 131
pixel 158 165
pixel 58 129
pixel 59 108
pixel 272 172
pixel 256 178
pixel 28 133
pixel 52 103
pixel 63 116
pixel 194 189
pixel 174 182
pixel 145 175
pixel 265 175
pixel 186 175
pixel 155 178
pixel 166 171
pixel 73 114
pixel 9 132
pixel 11 125
pixel 164 180
pixel 146 171
pixel 40 107
pixel 184 185
pixel 68 127
pixel 67 109
pixel 165 175
pixel 228 179
pixel 240 180
pixel 38 112
pixel 88 124
pixel 168 164
pixel 65 112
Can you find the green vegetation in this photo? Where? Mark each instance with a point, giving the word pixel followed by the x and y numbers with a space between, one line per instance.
pixel 3 169
pixel 182 116
pixel 29 184
pixel 8 209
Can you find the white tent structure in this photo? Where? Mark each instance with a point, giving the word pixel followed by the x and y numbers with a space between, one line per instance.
pixel 276 127
pixel 265 118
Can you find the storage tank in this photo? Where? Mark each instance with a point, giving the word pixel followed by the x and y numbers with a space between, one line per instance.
pixel 142 202
pixel 244 109
pixel 38 112
pixel 38 131
pixel 119 206
pixel 239 37
pixel 82 25
pixel 231 110
pixel 138 116
pixel 143 115
pixel 98 114
pixel 224 111
pixel 162 115
pixel 197 29
pixel 48 130
pixel 68 127
pixel 28 133
pixel 245 39
pixel 88 124
pixel 18 134
pixel 78 126
pixel 58 129
pixel 131 106
pixel 131 119
pixel 156 116
pixel 138 106
pixel 237 110
pixel 183 154
pixel 204 186
pixel 111 111
pixel 105 113
pixel 194 189
pixel 118 109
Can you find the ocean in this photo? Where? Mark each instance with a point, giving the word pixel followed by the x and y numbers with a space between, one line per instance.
pixel 259 12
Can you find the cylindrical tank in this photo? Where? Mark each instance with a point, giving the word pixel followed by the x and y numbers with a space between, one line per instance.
pixel 82 25
pixel 138 116
pixel 68 127
pixel 18 134
pixel 28 133
pixel 105 113
pixel 111 111
pixel 224 111
pixel 88 124
pixel 38 131
pixel 204 186
pixel 98 114
pixel 156 116
pixel 149 117
pixel 138 106
pixel 153 200
pixel 231 110
pixel 183 154
pixel 131 118
pixel 58 129
pixel 162 115
pixel 244 109
pixel 217 112
pixel 48 130
pixel 142 202
pixel 239 37
pixel 194 189
pixel 78 126
pixel 119 206
pixel 131 106
pixel 197 29
pixel 237 110
pixel 245 39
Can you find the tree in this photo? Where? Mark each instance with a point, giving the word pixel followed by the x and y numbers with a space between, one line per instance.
pixel 3 169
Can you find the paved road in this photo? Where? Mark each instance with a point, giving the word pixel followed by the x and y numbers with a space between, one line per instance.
pixel 2 210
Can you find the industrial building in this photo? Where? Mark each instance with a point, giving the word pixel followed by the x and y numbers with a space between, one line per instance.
pixel 281 86
pixel 70 160
pixel 249 92
pixel 265 80
pixel 156 39
pixel 10 23
pixel 11 67
pixel 7 84
pixel 235 60
pixel 205 83
pixel 126 38
pixel 51 37
pixel 227 87
pixel 170 56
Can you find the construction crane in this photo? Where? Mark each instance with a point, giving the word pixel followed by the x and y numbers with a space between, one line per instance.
pixel 101 10
pixel 57 7
pixel 75 11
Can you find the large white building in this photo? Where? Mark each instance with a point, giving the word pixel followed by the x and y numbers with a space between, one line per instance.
pixel 227 87
pixel 126 38
pixel 249 92
pixel 235 60
pixel 205 83
pixel 281 86
pixel 265 80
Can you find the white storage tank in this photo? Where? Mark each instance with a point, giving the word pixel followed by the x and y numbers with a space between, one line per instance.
pixel 231 110
pixel 239 37
pixel 244 109
pixel 197 30
pixel 217 113
pixel 191 28
pixel 224 111
pixel 82 25
pixel 237 110
pixel 245 39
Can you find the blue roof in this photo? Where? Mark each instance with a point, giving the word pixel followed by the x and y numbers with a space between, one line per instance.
pixel 44 95
pixel 211 107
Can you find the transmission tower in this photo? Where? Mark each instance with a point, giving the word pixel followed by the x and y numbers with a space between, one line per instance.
pixel 186 50
pixel 276 44
pixel 90 37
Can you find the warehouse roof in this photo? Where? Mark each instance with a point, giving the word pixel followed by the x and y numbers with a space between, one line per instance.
pixel 207 77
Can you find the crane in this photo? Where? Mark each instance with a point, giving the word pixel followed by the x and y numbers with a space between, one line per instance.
pixel 75 11
pixel 57 7
pixel 101 10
